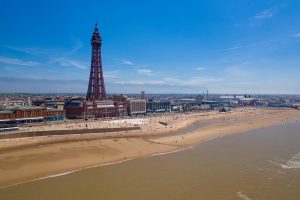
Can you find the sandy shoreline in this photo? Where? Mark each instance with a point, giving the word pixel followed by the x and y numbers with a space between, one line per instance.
pixel 32 158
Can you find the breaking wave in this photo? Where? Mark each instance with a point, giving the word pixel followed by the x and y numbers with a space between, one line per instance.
pixel 243 196
pixel 293 163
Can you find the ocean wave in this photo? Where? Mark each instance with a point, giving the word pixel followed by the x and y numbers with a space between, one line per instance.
pixel 56 175
pixel 243 196
pixel 168 152
pixel 293 163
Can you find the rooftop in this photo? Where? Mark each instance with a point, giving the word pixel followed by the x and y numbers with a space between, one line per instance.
pixel 23 108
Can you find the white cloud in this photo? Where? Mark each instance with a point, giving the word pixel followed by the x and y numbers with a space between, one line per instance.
pixel 15 61
pixel 268 13
pixel 127 62
pixel 251 45
pixel 68 62
pixel 50 56
pixel 246 46
pixel 34 85
pixel 200 68
pixel 146 72
pixel 112 74
pixel 47 53
pixel 78 45
pixel 131 63
pixel 142 82
pixel 296 35
pixel 194 81
pixel 237 71
pixel 77 64
pixel 27 50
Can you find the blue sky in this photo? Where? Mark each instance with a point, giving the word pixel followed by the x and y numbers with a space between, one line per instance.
pixel 160 46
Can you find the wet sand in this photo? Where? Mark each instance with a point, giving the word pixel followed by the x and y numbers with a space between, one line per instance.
pixel 260 164
pixel 27 159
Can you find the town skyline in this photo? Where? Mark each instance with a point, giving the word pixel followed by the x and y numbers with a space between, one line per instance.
pixel 242 48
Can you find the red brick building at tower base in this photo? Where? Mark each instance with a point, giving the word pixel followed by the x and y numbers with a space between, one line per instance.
pixel 96 104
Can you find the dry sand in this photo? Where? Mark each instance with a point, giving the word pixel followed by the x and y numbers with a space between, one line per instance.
pixel 26 159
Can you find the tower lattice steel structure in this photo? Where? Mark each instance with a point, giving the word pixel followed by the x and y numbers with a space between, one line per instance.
pixel 96 88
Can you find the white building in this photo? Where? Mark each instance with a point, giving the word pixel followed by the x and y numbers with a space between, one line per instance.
pixel 136 106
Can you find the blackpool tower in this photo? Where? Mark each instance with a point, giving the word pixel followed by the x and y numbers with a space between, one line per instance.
pixel 96 87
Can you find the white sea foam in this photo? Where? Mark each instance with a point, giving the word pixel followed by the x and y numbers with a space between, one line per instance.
pixel 242 196
pixel 56 175
pixel 160 154
pixel 275 163
pixel 293 163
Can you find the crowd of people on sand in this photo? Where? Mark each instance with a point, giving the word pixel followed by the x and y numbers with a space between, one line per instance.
pixel 145 122
pixel 155 122
pixel 142 121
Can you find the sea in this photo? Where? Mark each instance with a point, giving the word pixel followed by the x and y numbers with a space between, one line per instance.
pixel 260 164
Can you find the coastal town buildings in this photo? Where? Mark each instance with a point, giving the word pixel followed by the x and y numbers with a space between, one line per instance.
pixel 143 95
pixel 158 106
pixel 136 106
pixel 58 104
pixel 29 114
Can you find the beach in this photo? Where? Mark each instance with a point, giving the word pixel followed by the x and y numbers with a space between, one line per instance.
pixel 32 158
